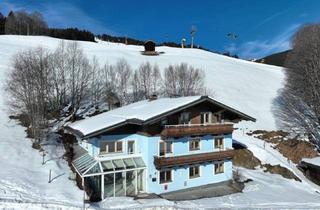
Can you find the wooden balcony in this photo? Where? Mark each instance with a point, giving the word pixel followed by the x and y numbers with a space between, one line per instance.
pixel 198 129
pixel 161 162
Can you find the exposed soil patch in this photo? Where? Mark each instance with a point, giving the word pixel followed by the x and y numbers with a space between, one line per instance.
pixel 245 158
pixel 277 169
pixel 295 149
pixel 270 136
pixel 292 148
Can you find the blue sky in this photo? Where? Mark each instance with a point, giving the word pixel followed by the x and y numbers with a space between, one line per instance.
pixel 263 27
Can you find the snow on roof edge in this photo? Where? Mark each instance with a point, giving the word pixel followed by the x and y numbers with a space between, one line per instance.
pixel 80 128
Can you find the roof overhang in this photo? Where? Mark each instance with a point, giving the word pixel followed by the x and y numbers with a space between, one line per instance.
pixel 153 119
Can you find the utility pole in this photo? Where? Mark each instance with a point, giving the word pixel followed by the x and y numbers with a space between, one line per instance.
pixel 193 32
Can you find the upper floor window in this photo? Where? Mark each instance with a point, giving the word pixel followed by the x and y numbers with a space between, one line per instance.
pixel 110 146
pixel 194 172
pixel 131 147
pixel 165 176
pixel 218 168
pixel 194 144
pixel 165 147
pixel 218 143
pixel 205 117
pixel 217 117
pixel 184 118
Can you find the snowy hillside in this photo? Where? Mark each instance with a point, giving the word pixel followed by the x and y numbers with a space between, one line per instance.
pixel 247 86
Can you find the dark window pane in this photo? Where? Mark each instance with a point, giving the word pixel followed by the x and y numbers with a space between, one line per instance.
pixel 162 152
pixel 119 146
pixel 110 147
pixel 130 147
pixel 168 177
pixel 168 147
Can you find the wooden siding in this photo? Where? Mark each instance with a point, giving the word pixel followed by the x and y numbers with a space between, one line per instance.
pixel 162 162
pixel 179 131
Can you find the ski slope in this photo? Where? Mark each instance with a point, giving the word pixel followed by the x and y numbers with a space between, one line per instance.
pixel 249 87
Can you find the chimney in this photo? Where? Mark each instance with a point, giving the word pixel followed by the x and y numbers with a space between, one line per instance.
pixel 153 97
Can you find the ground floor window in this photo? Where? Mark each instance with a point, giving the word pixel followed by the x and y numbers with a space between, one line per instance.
pixel 126 183
pixel 218 168
pixel 165 176
pixel 194 172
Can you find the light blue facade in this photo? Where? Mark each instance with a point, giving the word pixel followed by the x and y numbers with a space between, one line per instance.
pixel 148 147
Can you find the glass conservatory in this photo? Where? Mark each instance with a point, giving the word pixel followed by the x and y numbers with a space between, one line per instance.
pixel 114 177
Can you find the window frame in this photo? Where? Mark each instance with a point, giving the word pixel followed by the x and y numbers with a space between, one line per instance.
pixel 189 118
pixel 165 142
pixel 215 168
pixel 134 147
pixel 115 142
pixel 216 138
pixel 218 116
pixel 171 174
pixel 192 168
pixel 209 118
pixel 192 140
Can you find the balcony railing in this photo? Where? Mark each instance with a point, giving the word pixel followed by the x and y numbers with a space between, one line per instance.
pixel 161 162
pixel 196 129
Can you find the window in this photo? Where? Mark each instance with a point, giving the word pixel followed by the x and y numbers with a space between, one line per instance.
pixel 219 168
pixel 194 172
pixel 131 148
pixel 165 147
pixel 119 146
pixel 218 143
pixel 217 117
pixel 184 118
pixel 165 176
pixel 111 146
pixel 194 144
pixel 205 117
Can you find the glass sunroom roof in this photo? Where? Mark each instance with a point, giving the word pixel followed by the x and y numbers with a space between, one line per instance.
pixel 122 164
pixel 86 165
pixel 83 163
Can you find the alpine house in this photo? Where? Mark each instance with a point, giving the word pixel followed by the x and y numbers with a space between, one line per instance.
pixel 156 146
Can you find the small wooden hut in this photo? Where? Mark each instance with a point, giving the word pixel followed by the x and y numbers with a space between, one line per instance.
pixel 150 48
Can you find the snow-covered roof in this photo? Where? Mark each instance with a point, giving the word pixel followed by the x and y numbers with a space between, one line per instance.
pixel 139 112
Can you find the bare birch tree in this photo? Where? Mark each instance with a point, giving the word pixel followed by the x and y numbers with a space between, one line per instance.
pixel 123 73
pixel 28 87
pixel 78 75
pixel 183 80
pixel 96 82
pixel 146 81
pixel 301 95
